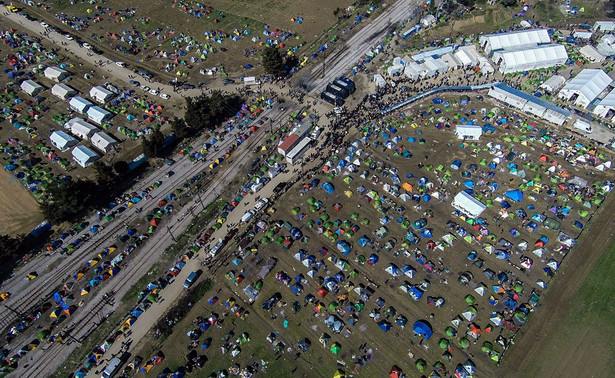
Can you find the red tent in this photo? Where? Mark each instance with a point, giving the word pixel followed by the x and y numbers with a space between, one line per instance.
pixel 396 372
pixel 155 222
pixel 322 292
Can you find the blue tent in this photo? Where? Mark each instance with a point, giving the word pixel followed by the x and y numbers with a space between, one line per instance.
pixel 515 195
pixel 328 187
pixel 297 288
pixel 363 241
pixel 422 328
pixel 426 233
pixel 373 259
pixel 469 184
pixel 296 233
pixel 343 247
pixel 384 325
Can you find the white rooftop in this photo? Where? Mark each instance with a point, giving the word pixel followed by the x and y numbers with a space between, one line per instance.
pixel 589 82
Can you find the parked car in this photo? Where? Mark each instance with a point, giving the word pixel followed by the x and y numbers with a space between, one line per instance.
pixel 165 96
pixel 134 83
pixel 228 81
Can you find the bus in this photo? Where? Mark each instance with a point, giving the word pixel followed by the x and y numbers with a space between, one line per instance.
pixel 337 90
pixel 331 98
pixel 347 84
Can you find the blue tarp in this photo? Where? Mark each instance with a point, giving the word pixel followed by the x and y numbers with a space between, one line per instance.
pixel 515 195
pixel 423 328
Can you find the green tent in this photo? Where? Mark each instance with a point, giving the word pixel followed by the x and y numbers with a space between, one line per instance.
pixel 354 216
pixel 335 348
pixel 487 347
pixel 311 200
pixel 450 331
pixel 333 306
pixel 464 343
pixel 444 343
pixel 348 180
pixel 265 240
pixel 325 217
pixel 295 210
pixel 470 299
pixel 447 356
pixel 421 365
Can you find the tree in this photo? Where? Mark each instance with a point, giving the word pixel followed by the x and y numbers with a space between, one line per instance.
pixel 273 62
pixel 509 3
pixel 9 247
pixel 206 112
pixel 105 176
pixel 121 167
pixel 181 129
pixel 67 199
pixel 152 146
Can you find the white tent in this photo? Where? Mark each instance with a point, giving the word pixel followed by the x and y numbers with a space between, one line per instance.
pixel 63 91
pixel 585 87
pixel 100 94
pixel 79 104
pixel 98 115
pixel 395 70
pixel 604 25
pixel 481 289
pixel 61 140
pixel 533 58
pixel 554 83
pixel 592 54
pixel 428 20
pixel 103 141
pixel 55 73
pixel 31 87
pixel 513 40
pixel 468 205
pixel 467 55
pixel 450 61
pixel 412 70
pixel 471 132
pixel 379 80
pixel 84 156
pixel 436 65
pixel 81 129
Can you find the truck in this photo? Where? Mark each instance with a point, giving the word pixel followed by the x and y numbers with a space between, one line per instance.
pixel 331 98
pixel 251 80
pixel 247 216
pixel 191 278
pixel 337 90
pixel 114 366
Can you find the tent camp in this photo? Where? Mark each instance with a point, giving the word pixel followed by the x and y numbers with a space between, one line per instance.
pixel 379 80
pixel 469 132
pixel 31 87
pixel 533 58
pixel 63 91
pixel 98 115
pixel 100 94
pixel 468 205
pixel 55 73
pixel 79 104
pixel 514 40
pixel 103 141
pixel 554 83
pixel 81 129
pixel 61 140
pixel 84 156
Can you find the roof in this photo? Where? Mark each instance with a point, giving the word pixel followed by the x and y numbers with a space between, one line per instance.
pixel 83 155
pixel 555 82
pixel 469 128
pixel 81 128
pixel 609 100
pixel 102 141
pixel 62 89
pixel 289 142
pixel 604 25
pixel 516 39
pixel 30 86
pixel 589 82
pixel 591 53
pixel 468 204
pixel 302 129
pixel 54 72
pixel 100 94
pixel 62 140
pixel 96 113
pixel 435 52
pixel 298 148
pixel 79 102
pixel 534 55
pixel 534 99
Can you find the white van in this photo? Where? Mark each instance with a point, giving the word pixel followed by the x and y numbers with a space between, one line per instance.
pixel 247 216
pixel 261 203
pixel 112 368
pixel 583 126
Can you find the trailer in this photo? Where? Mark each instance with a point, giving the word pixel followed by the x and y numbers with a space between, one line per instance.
pixel 331 98
pixel 337 90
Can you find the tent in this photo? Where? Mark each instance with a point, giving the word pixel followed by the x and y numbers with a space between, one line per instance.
pixel 335 348
pixel 469 313
pixel 396 372
pixel 515 195
pixel 422 328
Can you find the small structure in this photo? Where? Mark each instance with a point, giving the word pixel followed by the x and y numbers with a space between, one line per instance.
pixel 79 104
pixel 31 87
pixel 606 107
pixel 63 91
pixel 428 20
pixel 604 26
pixel 514 40
pixel 103 141
pixel 468 205
pixel 395 70
pixel 467 55
pixel 553 84
pixel 62 141
pixel 583 126
pixel 528 103
pixel 100 94
pixel 592 54
pixel 297 152
pixel 81 129
pixel 469 132
pixel 84 156
pixel 379 80
pixel 288 144
pixel 98 115
pixel 582 34
pixel 55 73
pixel 585 87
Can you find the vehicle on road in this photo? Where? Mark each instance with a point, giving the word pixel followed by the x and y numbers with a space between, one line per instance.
pixel 261 203
pixel 69 37
pixel 247 216
pixel 170 173
pixel 228 81
pixel 165 96
pixel 191 278
pixel 134 83
pixel 44 24
pixel 154 92
pixel 87 46
pixel 120 64
pixel 146 88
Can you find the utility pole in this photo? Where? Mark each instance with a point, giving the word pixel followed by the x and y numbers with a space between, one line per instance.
pixel 170 233
pixel 198 193
pixel 324 60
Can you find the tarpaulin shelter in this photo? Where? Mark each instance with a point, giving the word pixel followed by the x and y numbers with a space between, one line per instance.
pixel 422 328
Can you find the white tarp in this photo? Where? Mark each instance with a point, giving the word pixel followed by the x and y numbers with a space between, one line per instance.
pixel 468 205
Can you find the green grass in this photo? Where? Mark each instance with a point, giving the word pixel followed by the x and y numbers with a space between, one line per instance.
pixel 592 312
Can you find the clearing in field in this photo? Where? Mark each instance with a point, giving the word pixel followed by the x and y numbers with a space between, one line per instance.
pixel 19 212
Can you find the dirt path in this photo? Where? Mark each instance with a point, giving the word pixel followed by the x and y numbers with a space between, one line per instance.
pixel 536 336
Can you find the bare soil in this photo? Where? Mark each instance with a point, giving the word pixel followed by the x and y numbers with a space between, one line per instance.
pixel 19 211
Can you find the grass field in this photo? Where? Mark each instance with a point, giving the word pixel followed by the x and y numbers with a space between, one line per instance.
pixel 19 212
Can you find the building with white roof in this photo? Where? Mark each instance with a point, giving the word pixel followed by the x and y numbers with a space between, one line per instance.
pixel 606 107
pixel 428 20
pixel 63 91
pixel 412 70
pixel 435 65
pixel 61 140
pixel 467 55
pixel 582 34
pixel 529 104
pixel 468 205
pixel 585 87
pixel 450 60
pixel 604 26
pixel 79 104
pixel 55 73
pixel 532 58
pixel 395 69
pixel 553 84
pixel 31 87
pixel 593 55
pixel 98 115
pixel 100 94
pixel 379 80
pixel 81 129
pixel 84 156
pixel 514 40
pixel 103 141
pixel 468 132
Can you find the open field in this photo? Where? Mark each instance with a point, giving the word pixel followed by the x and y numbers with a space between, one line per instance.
pixel 18 210
pixel 489 271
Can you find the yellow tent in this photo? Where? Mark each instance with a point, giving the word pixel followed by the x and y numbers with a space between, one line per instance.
pixel 79 275
pixel 348 193
pixel 339 374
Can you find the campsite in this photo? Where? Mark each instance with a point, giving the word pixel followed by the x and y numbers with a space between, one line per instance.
pixel 368 252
